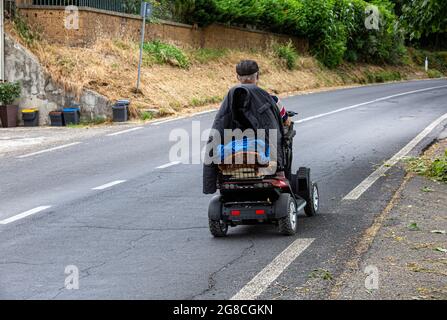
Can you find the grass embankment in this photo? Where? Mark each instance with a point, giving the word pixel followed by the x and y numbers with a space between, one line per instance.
pixel 180 80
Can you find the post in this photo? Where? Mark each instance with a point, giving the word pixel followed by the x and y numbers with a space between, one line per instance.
pixel 143 30
pixel 426 64
pixel 2 41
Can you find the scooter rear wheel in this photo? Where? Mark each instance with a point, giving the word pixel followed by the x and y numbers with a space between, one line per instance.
pixel 287 225
pixel 218 229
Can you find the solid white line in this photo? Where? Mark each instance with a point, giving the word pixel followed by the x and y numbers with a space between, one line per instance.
pixel 48 150
pixel 170 164
pixel 168 120
pixel 108 185
pixel 369 181
pixel 271 272
pixel 366 103
pixel 24 214
pixel 124 131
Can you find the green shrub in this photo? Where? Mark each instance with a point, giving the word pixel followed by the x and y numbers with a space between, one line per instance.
pixel 206 55
pixel 146 115
pixel 287 54
pixel 164 53
pixel 433 73
pixel 28 35
pixel 436 169
pixel 383 76
pixel 9 92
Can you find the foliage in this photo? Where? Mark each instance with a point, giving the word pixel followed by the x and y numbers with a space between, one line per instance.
pixel 205 55
pixel 9 91
pixel 383 76
pixel 165 53
pixel 424 17
pixel 28 35
pixel 433 73
pixel 287 54
pixel 436 169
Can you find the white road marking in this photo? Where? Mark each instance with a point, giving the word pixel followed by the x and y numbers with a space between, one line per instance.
pixel 170 164
pixel 204 112
pixel 369 181
pixel 168 120
pixel 48 150
pixel 109 185
pixel 366 103
pixel 124 131
pixel 24 214
pixel 272 271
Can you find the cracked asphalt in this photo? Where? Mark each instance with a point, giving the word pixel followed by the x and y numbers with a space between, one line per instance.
pixel 148 238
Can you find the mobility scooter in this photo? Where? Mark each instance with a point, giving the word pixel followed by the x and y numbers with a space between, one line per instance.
pixel 248 196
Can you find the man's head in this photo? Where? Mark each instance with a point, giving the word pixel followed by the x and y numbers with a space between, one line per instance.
pixel 247 71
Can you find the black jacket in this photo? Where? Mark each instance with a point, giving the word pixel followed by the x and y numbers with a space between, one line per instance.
pixel 246 106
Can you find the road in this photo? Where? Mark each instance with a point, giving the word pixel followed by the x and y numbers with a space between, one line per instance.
pixel 143 233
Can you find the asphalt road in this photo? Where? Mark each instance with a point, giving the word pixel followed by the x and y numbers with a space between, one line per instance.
pixel 147 236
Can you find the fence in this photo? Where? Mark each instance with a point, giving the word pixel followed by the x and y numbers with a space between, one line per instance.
pixel 122 6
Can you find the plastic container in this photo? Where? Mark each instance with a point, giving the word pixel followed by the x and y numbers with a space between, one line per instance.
pixel 30 117
pixel 121 111
pixel 72 116
pixel 57 118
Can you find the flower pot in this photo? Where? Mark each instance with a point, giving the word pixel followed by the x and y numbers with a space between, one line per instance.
pixel 8 115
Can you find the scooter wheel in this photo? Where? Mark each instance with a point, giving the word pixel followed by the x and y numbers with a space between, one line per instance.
pixel 313 201
pixel 287 225
pixel 218 229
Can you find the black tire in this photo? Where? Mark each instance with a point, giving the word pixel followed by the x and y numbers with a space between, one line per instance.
pixel 218 229
pixel 313 204
pixel 303 185
pixel 287 225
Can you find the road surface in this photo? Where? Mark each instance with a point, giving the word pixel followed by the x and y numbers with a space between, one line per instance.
pixel 135 225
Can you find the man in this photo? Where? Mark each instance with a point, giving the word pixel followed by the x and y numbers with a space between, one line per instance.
pixel 246 106
pixel 248 73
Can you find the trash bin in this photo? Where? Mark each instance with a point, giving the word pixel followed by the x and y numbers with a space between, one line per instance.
pixel 120 111
pixel 30 117
pixel 72 116
pixel 57 118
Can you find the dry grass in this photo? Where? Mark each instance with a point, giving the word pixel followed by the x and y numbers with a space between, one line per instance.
pixel 110 68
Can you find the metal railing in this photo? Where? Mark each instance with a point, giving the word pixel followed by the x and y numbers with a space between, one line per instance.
pixel 123 6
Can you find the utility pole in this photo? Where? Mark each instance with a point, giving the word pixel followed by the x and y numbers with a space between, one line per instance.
pixel 2 41
pixel 146 10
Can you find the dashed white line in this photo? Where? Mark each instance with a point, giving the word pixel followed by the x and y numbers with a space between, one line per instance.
pixel 168 120
pixel 124 131
pixel 48 150
pixel 24 214
pixel 109 185
pixel 272 271
pixel 170 164
pixel 366 103
pixel 369 181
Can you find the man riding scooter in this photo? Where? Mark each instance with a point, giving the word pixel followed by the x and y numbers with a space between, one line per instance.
pixel 247 106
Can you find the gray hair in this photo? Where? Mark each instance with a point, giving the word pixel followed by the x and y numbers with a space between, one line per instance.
pixel 249 78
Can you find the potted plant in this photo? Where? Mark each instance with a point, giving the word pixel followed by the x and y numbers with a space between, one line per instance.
pixel 9 92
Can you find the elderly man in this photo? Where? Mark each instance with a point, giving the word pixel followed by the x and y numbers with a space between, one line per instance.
pixel 248 73
pixel 246 106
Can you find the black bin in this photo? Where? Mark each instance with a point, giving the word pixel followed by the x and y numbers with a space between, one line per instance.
pixel 57 118
pixel 72 116
pixel 120 111
pixel 30 117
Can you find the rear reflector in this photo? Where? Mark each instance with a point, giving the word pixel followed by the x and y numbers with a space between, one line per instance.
pixel 260 211
pixel 235 213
